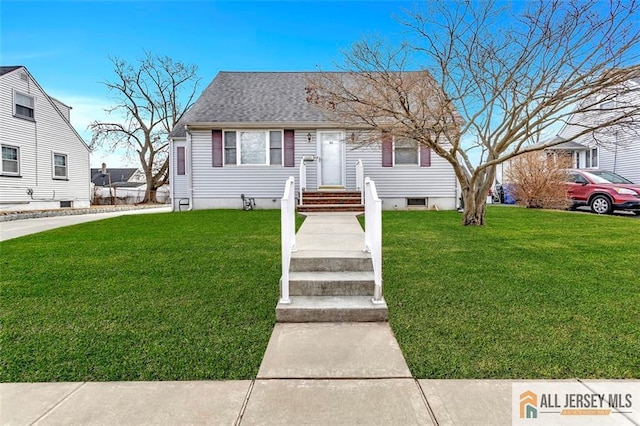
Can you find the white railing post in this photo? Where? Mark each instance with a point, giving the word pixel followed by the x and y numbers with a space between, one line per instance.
pixel 303 178
pixel 360 178
pixel 373 234
pixel 287 234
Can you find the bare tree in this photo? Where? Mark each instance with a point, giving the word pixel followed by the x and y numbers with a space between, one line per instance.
pixel 479 82
pixel 537 180
pixel 150 98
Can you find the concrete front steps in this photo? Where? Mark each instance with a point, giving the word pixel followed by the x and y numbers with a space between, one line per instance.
pixel 331 201
pixel 331 286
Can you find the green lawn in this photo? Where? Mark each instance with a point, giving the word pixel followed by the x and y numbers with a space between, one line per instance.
pixel 192 295
pixel 144 297
pixel 534 294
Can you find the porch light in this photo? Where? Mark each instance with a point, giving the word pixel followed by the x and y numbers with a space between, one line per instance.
pixel 308 137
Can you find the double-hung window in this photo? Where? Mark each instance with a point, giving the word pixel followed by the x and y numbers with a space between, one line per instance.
pixel 10 160
pixel 405 151
pixel 253 147
pixel 23 106
pixel 594 157
pixel 59 166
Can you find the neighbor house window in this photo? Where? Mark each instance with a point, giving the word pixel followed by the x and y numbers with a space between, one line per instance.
pixel 594 157
pixel 59 166
pixel 24 105
pixel 250 147
pixel 587 159
pixel 577 159
pixel 10 160
pixel 405 151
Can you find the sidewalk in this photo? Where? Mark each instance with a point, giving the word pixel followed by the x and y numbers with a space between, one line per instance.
pixel 311 374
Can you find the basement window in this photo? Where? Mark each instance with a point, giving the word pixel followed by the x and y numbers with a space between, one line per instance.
pixel 416 202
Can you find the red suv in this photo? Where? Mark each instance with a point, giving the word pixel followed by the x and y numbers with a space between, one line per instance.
pixel 591 188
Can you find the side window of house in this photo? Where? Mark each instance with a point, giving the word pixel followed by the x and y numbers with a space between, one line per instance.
pixel 405 151
pixel 59 166
pixel 594 158
pixel 24 106
pixel 10 160
pixel 181 160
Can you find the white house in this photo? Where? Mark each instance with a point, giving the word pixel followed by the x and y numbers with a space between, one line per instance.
pixel 249 131
pixel 616 150
pixel 45 162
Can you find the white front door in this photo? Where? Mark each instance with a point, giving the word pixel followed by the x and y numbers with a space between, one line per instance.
pixel 331 155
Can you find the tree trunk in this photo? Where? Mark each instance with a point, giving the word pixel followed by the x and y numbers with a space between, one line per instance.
pixel 150 195
pixel 474 208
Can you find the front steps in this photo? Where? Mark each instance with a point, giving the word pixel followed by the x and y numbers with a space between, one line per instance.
pixel 331 201
pixel 331 277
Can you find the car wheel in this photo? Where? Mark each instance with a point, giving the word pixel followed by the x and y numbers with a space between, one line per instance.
pixel 601 205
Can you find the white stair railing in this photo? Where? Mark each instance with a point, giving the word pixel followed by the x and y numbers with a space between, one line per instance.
pixel 303 178
pixel 373 234
pixel 288 235
pixel 360 178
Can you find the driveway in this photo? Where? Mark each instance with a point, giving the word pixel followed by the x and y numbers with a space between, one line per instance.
pixel 19 228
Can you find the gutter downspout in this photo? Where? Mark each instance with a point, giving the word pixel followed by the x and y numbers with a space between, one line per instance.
pixel 172 177
pixel 189 165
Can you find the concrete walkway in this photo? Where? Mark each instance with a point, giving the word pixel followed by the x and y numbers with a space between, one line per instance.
pixel 311 374
pixel 19 228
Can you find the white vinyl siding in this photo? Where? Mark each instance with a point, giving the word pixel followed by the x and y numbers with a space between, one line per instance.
pixel 215 183
pixel 409 181
pixel 253 181
pixel 37 140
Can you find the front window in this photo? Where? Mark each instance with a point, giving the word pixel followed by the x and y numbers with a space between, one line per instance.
pixel 10 160
pixel 250 147
pixel 405 151
pixel 59 166
pixel 253 148
pixel 24 105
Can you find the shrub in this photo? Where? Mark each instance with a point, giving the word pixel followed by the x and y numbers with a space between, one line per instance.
pixel 538 180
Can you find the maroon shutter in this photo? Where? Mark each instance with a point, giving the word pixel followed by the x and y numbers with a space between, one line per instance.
pixel 216 148
pixel 425 156
pixel 387 150
pixel 181 160
pixel 289 148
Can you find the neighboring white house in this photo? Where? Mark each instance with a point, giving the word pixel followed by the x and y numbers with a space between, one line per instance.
pixel 249 131
pixel 45 162
pixel 122 186
pixel 616 150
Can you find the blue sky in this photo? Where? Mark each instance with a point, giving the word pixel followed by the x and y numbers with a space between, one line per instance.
pixel 65 45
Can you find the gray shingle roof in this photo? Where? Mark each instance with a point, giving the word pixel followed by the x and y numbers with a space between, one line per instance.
pixel 5 69
pixel 253 97
pixel 118 175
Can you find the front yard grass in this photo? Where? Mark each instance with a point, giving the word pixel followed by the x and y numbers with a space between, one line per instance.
pixel 534 294
pixel 191 296
pixel 186 296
